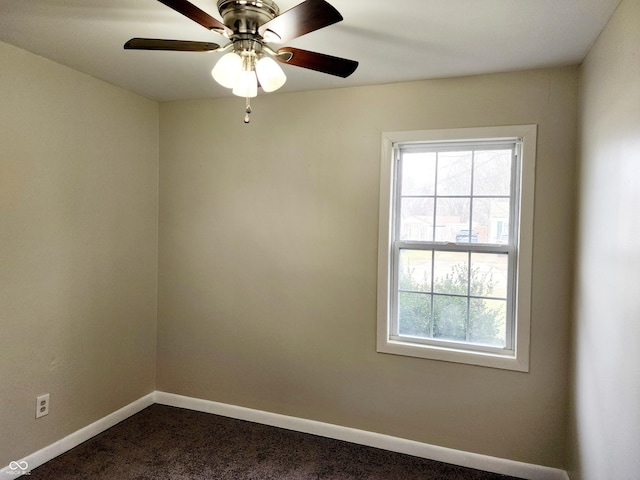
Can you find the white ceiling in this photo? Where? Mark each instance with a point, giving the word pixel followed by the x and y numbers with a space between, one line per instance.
pixel 394 41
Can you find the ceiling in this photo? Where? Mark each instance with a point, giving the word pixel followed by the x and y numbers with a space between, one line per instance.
pixel 394 41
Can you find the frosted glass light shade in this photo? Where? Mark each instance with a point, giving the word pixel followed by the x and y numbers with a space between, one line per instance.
pixel 270 74
pixel 247 84
pixel 228 69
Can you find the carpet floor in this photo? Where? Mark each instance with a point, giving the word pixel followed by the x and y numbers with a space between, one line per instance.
pixel 169 443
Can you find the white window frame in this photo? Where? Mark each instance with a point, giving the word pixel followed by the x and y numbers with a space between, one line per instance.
pixel 516 357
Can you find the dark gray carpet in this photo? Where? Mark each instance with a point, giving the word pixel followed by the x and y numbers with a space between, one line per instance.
pixel 169 443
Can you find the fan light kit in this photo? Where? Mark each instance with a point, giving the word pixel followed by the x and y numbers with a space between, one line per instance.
pixel 250 25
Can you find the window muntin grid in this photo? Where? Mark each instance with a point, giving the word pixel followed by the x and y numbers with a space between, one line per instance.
pixel 455 217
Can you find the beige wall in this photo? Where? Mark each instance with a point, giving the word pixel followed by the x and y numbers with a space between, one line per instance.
pixel 607 320
pixel 78 256
pixel 268 254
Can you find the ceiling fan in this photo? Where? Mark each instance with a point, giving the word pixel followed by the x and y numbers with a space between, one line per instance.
pixel 250 26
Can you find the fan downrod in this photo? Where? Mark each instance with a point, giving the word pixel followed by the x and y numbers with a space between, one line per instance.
pixel 246 16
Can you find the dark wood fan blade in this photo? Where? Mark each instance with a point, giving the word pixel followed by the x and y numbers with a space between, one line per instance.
pixel 189 10
pixel 303 18
pixel 172 45
pixel 340 67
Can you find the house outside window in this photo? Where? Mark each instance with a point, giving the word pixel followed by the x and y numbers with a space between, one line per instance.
pixel 455 245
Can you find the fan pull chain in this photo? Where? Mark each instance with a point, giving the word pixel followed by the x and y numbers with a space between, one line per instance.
pixel 247 111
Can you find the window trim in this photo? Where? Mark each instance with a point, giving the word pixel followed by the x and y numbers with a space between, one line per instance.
pixel 519 360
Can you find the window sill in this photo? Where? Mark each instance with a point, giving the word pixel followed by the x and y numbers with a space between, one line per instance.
pixel 504 361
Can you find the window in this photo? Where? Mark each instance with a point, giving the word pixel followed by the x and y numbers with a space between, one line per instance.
pixel 456 221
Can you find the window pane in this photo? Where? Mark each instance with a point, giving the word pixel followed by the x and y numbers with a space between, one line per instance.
pixel 454 173
pixel 452 216
pixel 489 274
pixel 487 320
pixel 451 273
pixel 415 270
pixel 414 314
pixel 416 221
pixel 419 173
pixel 492 175
pixel 491 219
pixel 450 318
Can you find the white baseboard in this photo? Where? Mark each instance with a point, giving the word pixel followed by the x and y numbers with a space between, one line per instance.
pixel 25 465
pixel 371 439
pixel 433 452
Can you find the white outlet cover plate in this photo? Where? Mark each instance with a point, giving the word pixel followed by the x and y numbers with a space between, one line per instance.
pixel 42 405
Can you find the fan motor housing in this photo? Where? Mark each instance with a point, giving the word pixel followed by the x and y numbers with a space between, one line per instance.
pixel 246 16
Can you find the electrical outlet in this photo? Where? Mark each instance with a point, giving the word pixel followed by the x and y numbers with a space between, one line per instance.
pixel 42 405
